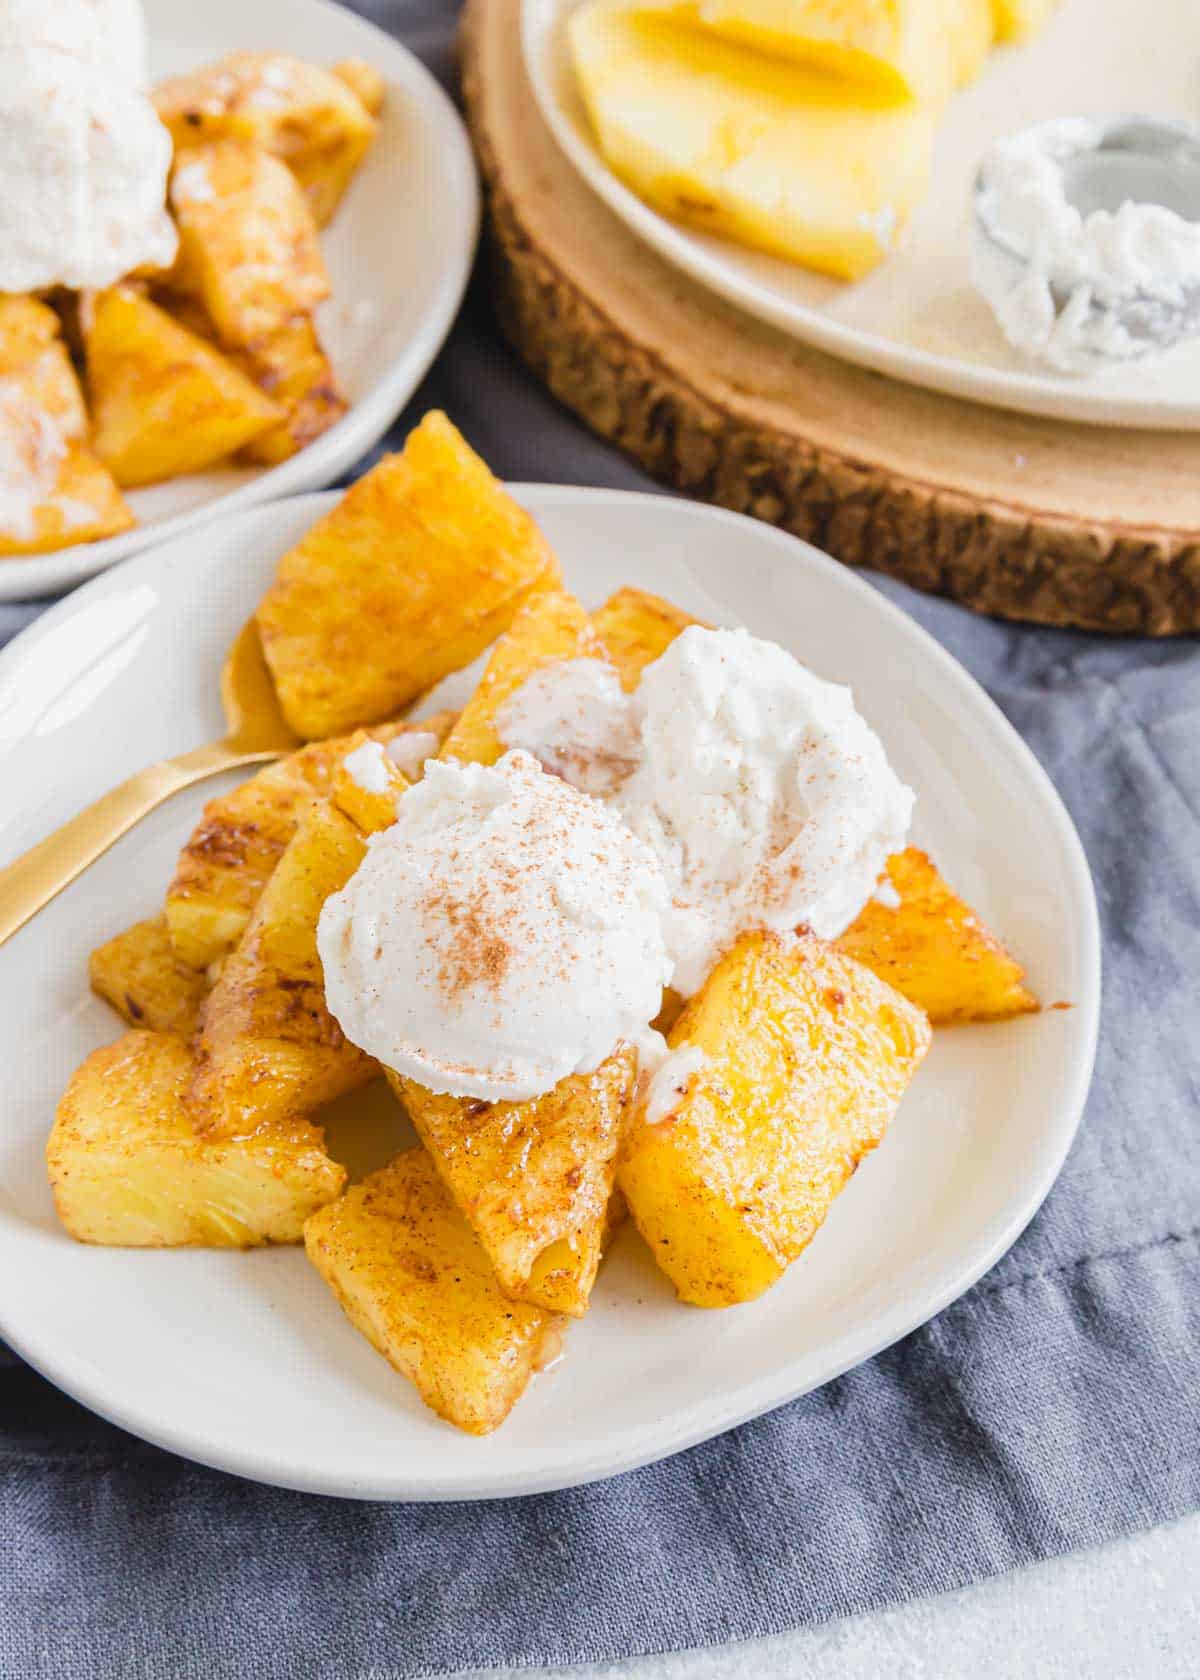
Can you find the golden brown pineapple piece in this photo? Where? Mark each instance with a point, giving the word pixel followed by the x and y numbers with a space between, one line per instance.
pixel 364 81
pixel 71 496
pixel 419 567
pixel 413 1279
pixel 634 628
pixel 291 367
pixel 163 401
pixel 313 119
pixel 241 837
pixel 128 1169
pixel 803 1059
pixel 935 950
pixel 550 627
pixel 534 1179
pixel 268 1046
pixel 366 785
pixel 139 973
pixel 247 242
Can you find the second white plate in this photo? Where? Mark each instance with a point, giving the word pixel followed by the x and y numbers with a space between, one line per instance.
pixel 917 317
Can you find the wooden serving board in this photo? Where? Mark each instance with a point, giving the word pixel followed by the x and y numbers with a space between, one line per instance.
pixel 1026 518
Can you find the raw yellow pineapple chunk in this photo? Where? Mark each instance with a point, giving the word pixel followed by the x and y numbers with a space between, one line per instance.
pixel 415 1282
pixel 634 628
pixel 139 973
pixel 906 49
pixel 1017 20
pixel 268 1046
pixel 759 150
pixel 241 837
pixel 291 367
pixel 247 241
pixel 549 628
pixel 163 402
pixel 419 567
pixel 312 118
pixel 534 1179
pixel 129 1170
pixel 799 1060
pixel 935 951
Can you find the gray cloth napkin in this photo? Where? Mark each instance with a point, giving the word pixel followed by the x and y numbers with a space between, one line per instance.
pixel 1053 1407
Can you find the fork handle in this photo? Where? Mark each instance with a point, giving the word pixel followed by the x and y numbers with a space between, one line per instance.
pixel 29 884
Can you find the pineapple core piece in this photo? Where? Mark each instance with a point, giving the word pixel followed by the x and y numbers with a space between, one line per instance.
pixel 766 152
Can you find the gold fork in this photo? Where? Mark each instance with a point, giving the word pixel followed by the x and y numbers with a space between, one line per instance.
pixel 257 732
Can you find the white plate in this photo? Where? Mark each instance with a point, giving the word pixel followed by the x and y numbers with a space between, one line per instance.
pixel 244 1360
pixel 917 317
pixel 398 251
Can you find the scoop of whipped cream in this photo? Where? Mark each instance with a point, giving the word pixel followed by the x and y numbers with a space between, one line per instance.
pixel 86 157
pixel 504 933
pixel 765 796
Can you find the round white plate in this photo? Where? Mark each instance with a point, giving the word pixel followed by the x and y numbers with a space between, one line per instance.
pixel 245 1361
pixel 917 317
pixel 399 254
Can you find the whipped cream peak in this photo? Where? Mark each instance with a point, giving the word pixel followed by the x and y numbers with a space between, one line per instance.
pixel 503 934
pixel 575 718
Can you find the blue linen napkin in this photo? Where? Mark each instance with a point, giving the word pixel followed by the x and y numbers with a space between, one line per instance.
pixel 1051 1408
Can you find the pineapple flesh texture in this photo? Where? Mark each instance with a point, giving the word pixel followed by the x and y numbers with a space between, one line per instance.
pixel 754 149
pixel 534 1179
pixel 414 1280
pixel 806 1056
pixel 129 1170
pixel 633 628
pixel 935 950
pixel 140 975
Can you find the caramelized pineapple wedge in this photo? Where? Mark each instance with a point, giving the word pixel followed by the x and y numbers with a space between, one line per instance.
pixel 549 628
pixel 313 119
pixel 364 81
pixel 534 1179
pixel 163 402
pixel 247 241
pixel 242 835
pixel 267 1045
pixel 34 354
pixel 1017 20
pixel 799 1060
pixel 634 628
pixel 366 785
pixel 935 951
pixel 755 149
pixel 128 1169
pixel 415 1282
pixel 419 567
pixel 291 367
pixel 140 975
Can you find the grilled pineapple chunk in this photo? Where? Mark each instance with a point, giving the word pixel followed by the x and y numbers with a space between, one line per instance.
pixel 756 149
pixel 803 1059
pixel 267 1045
pixel 364 81
pixel 366 785
pixel 241 837
pixel 634 628
pixel 549 628
pixel 420 566
pixel 313 119
pixel 415 1282
pixel 935 951
pixel 1017 20
pixel 33 353
pixel 291 367
pixel 163 401
pixel 140 975
pixel 128 1169
pixel 247 241
pixel 533 1179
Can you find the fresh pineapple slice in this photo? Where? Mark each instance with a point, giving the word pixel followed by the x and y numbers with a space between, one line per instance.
pixel 549 628
pixel 242 835
pixel 634 628
pixel 313 119
pixel 534 1179
pixel 1017 20
pixel 139 973
pixel 291 367
pixel 163 402
pixel 247 241
pixel 792 1060
pixel 128 1169
pixel 413 1279
pixel 419 567
pixel 935 950
pixel 268 1046
pixel 755 149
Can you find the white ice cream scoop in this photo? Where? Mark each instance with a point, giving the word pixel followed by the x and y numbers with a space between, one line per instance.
pixel 1086 238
